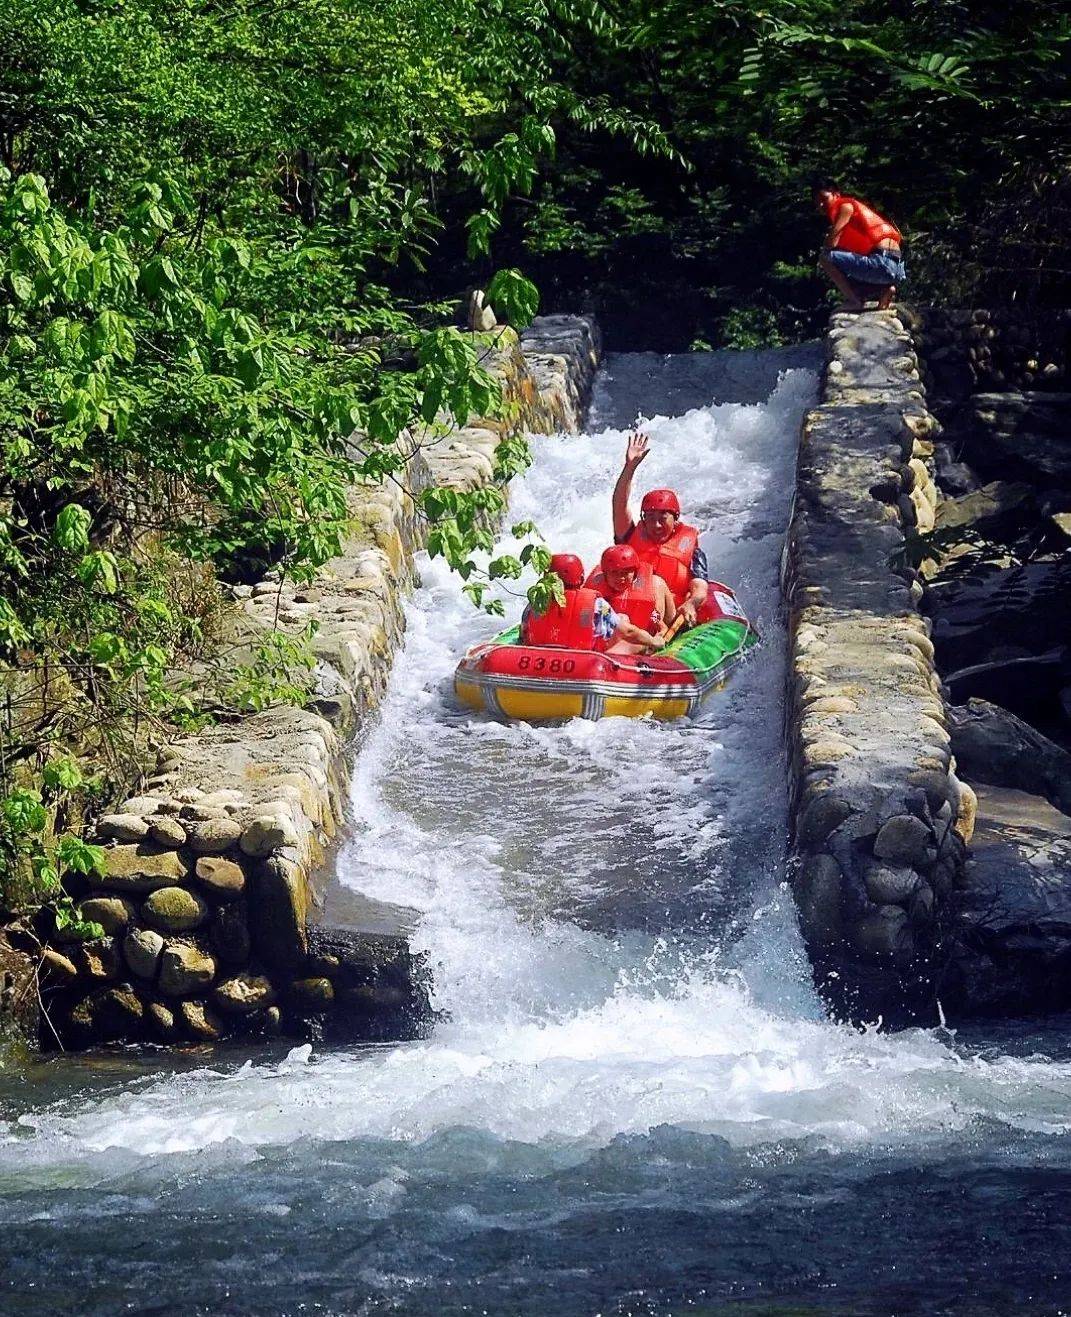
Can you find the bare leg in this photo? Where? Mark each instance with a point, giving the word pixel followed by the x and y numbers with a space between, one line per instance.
pixel 886 298
pixel 841 283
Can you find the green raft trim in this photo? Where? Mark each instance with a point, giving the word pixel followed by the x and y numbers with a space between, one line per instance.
pixel 703 649
pixel 711 645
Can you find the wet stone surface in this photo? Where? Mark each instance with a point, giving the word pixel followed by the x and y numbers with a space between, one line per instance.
pixel 877 805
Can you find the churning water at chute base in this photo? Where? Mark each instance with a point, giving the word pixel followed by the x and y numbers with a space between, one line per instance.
pixel 634 1102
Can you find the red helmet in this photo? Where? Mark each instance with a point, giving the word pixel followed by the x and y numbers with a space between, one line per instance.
pixel 619 558
pixel 661 500
pixel 569 567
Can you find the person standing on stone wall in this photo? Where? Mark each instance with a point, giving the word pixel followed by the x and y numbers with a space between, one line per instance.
pixel 862 251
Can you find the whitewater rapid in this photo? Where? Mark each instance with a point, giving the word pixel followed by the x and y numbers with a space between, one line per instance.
pixel 602 905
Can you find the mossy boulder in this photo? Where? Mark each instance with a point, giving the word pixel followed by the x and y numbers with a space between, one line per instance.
pixel 175 910
pixel 112 913
pixel 311 996
pixel 143 868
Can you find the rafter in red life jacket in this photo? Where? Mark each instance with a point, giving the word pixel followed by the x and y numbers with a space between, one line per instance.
pixel 672 559
pixel 638 601
pixel 864 231
pixel 570 625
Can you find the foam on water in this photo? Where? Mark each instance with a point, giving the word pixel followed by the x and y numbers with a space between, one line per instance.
pixel 602 903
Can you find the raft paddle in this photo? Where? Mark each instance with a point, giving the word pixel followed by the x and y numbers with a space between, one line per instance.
pixel 672 631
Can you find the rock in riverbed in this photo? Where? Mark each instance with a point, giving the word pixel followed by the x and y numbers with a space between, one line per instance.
pixel 1012 943
pixel 184 969
pixel 994 746
pixel 243 994
pixel 199 1021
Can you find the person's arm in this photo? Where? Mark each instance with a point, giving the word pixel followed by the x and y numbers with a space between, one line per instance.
pixel 635 635
pixel 634 455
pixel 840 223
pixel 611 626
pixel 698 588
pixel 666 605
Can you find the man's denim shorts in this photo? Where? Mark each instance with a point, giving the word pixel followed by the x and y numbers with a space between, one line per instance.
pixel 880 268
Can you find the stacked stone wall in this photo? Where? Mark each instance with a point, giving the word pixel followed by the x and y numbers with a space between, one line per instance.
pixel 880 820
pixel 988 351
pixel 214 885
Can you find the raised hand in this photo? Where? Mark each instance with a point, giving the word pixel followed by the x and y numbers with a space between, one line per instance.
pixel 638 448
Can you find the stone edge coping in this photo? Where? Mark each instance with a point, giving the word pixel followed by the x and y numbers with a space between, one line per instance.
pixel 879 819
pixel 267 794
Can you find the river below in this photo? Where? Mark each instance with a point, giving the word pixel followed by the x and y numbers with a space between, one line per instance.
pixel 633 1102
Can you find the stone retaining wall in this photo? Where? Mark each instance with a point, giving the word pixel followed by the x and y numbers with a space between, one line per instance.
pixel 981 350
pixel 215 874
pixel 880 821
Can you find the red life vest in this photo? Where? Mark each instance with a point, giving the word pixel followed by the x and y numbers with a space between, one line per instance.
pixel 638 602
pixel 569 626
pixel 864 231
pixel 672 559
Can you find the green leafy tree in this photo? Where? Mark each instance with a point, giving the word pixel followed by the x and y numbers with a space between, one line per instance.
pixel 953 118
pixel 207 218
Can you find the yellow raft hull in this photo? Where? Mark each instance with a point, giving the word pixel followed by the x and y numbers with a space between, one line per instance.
pixel 534 706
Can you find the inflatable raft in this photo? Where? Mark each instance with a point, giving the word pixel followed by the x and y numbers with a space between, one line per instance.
pixel 544 684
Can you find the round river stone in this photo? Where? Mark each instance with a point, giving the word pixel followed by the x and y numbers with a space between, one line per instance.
pixel 142 950
pixel 175 910
pixel 112 913
pixel 223 879
pixel 212 836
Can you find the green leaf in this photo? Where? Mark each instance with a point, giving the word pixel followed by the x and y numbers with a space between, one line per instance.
pixel 480 228
pixel 106 648
pixel 101 570
pixel 23 813
pixel 505 566
pixel 47 874
pixel 13 631
pixel 62 774
pixel 21 286
pixel 79 855
pixel 514 297
pixel 71 531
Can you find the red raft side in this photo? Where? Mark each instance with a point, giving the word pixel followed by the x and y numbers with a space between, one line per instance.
pixel 721 605
pixel 575 665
